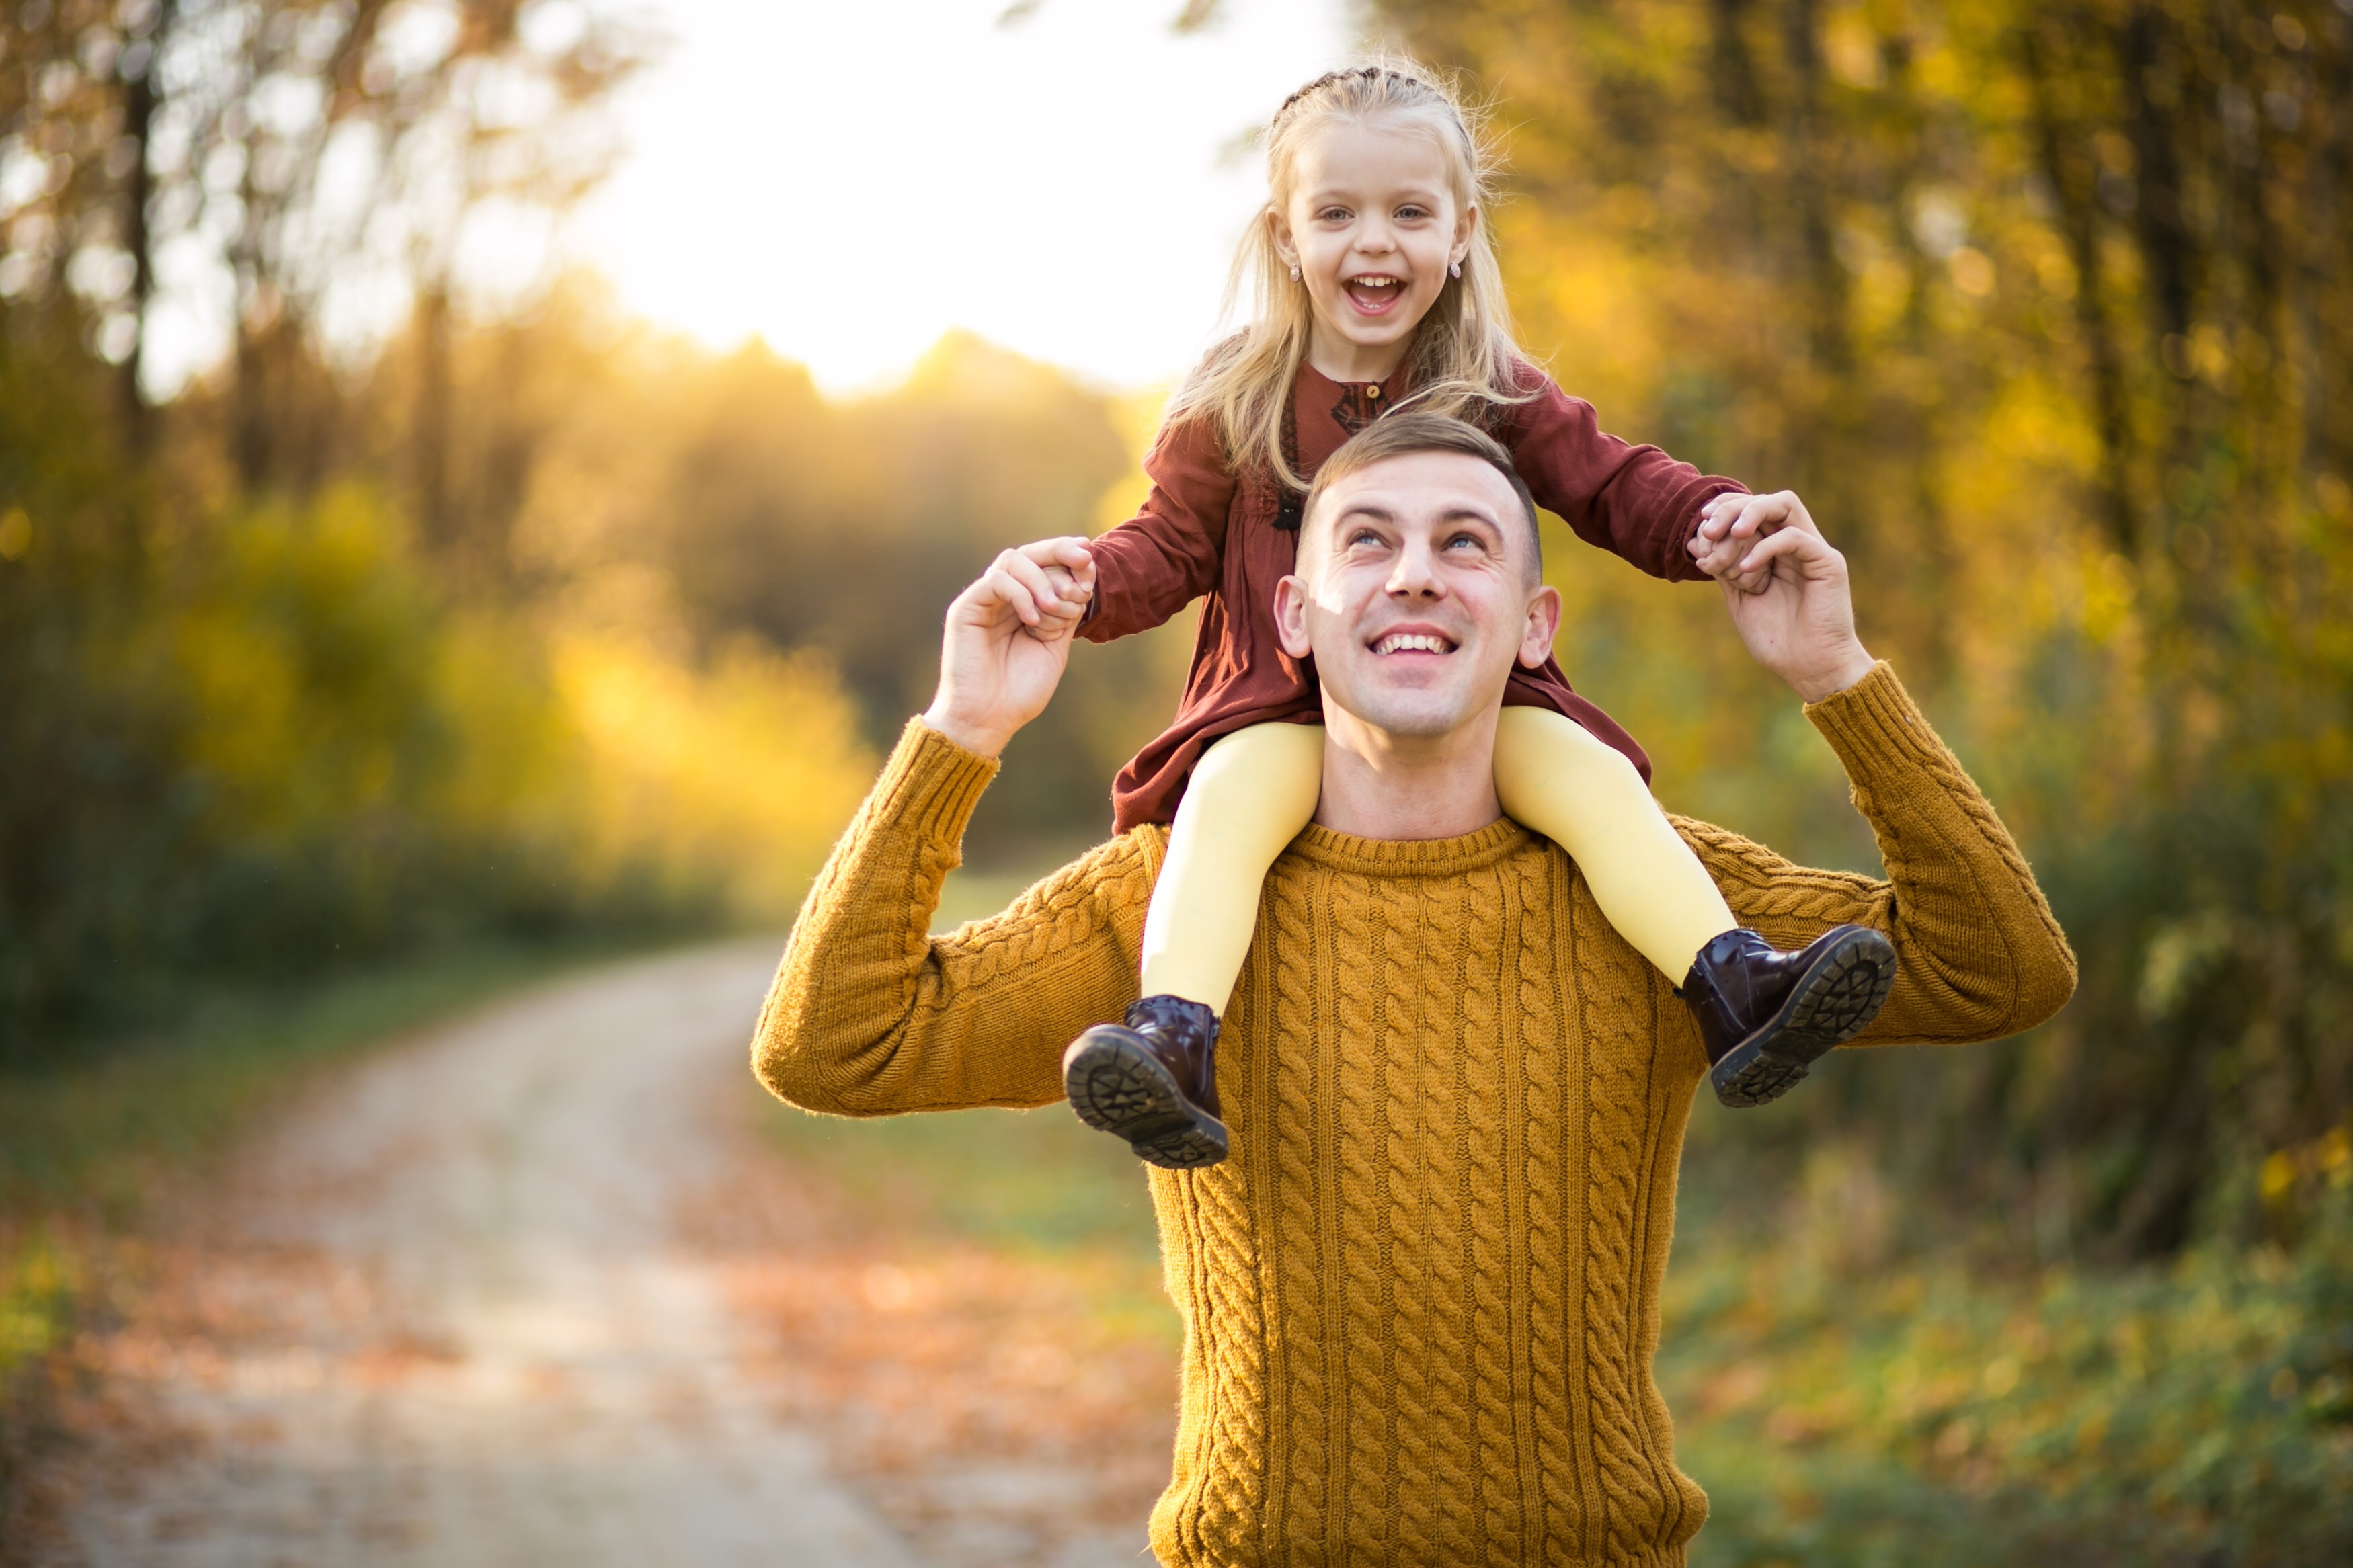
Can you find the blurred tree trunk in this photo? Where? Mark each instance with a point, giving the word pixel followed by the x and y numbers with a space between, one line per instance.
pixel 430 417
pixel 2068 168
pixel 142 64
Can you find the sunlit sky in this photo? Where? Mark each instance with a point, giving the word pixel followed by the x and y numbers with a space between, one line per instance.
pixel 849 181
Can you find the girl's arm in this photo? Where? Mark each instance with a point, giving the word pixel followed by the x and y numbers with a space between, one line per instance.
pixel 1636 502
pixel 1169 554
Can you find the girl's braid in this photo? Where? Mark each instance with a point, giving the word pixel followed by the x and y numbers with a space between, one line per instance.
pixel 1365 73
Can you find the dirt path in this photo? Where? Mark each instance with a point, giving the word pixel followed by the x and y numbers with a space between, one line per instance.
pixel 454 1323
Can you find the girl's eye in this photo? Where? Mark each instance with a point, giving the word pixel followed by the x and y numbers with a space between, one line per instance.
pixel 1412 214
pixel 1332 215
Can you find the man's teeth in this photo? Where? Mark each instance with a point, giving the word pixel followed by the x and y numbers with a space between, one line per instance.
pixel 1412 642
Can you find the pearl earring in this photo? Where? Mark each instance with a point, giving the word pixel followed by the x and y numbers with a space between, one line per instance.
pixel 1294 275
pixel 1455 270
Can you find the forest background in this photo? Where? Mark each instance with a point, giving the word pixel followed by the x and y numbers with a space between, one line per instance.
pixel 521 623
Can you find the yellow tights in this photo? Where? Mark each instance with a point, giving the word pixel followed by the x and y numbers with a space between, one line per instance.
pixel 1253 792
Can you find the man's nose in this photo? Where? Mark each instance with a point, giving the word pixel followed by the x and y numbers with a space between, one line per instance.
pixel 1415 575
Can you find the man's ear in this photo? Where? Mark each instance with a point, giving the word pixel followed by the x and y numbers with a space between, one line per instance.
pixel 1544 624
pixel 1290 616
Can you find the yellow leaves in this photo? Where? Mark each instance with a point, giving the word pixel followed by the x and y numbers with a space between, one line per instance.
pixel 1972 271
pixel 15 534
pixel 2180 957
pixel 1852 48
pixel 303 659
pixel 2293 1181
pixel 1137 416
pixel 39 1282
pixel 324 687
pixel 2279 1176
pixel 740 774
pixel 1629 206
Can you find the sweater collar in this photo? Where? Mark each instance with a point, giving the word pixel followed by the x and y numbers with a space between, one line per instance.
pixel 1411 857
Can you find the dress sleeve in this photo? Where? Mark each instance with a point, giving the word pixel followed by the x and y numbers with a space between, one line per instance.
pixel 1980 956
pixel 1636 502
pixel 871 1014
pixel 1165 556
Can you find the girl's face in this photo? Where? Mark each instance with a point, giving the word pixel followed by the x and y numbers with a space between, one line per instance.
pixel 1372 225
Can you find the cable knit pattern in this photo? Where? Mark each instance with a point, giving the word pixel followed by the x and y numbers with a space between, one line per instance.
pixel 1421 1299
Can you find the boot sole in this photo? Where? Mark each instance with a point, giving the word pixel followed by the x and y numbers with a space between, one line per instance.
pixel 1118 1086
pixel 1835 1002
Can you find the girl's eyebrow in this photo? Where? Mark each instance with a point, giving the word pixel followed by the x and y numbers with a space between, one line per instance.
pixel 1322 193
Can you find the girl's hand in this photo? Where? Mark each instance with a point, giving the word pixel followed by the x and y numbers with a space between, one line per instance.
pixel 1730 529
pixel 1063 588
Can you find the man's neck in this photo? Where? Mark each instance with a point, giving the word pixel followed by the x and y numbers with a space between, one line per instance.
pixel 1380 785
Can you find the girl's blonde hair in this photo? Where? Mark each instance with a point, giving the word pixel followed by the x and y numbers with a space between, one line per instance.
pixel 1461 359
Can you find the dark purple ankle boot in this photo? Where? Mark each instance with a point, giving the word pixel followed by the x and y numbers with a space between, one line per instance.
pixel 1765 1014
pixel 1153 1081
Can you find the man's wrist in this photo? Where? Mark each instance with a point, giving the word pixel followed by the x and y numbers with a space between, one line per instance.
pixel 980 740
pixel 1833 678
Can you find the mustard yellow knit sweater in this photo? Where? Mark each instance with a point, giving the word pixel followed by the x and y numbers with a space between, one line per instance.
pixel 1421 1298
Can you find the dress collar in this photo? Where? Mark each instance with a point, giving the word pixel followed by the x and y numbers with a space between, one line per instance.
pixel 1352 404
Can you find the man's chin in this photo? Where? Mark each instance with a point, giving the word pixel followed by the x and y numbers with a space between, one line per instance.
pixel 1412 715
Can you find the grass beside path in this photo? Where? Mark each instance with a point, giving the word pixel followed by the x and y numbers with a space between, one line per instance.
pixel 86 1146
pixel 1855 1392
pixel 90 1137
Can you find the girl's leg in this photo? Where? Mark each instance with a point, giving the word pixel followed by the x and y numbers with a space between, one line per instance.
pixel 1553 775
pixel 1247 799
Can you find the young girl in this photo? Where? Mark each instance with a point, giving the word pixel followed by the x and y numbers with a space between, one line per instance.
pixel 1377 285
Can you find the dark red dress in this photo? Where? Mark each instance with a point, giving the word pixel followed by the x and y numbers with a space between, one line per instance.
pixel 1203 531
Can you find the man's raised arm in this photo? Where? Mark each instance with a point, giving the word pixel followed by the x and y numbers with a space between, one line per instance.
pixel 1979 954
pixel 869 1014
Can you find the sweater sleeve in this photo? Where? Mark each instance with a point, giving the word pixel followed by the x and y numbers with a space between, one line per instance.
pixel 1169 554
pixel 1979 954
pixel 870 1014
pixel 1636 502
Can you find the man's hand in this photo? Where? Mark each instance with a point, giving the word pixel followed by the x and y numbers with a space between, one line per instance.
pixel 1799 622
pixel 1006 642
pixel 1731 524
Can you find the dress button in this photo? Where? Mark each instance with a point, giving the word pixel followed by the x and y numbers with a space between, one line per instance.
pixel 1372 392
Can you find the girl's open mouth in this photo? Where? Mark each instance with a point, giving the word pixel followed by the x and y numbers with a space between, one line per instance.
pixel 1374 294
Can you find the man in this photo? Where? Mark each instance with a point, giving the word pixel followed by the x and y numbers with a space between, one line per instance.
pixel 1420 1297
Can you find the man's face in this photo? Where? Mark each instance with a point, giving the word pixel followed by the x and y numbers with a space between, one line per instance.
pixel 1414 594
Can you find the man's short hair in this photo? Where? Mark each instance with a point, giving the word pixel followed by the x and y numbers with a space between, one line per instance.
pixel 1403 435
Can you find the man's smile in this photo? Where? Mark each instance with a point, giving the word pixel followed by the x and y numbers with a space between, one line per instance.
pixel 1389 644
